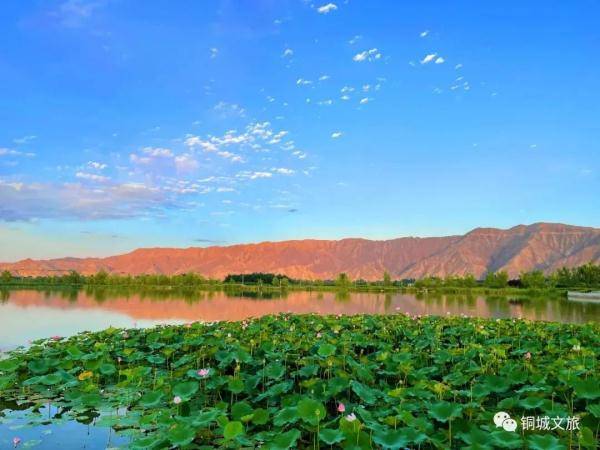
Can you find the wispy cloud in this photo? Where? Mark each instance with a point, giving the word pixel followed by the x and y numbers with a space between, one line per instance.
pixel 355 39
pixel 336 134
pixel 11 152
pixel 76 13
pixel 226 110
pixel 24 139
pixel 303 82
pixel 24 202
pixel 92 177
pixel 367 55
pixel 214 52
pixel 287 53
pixel 96 165
pixel 326 9
pixel 428 58
pixel 424 33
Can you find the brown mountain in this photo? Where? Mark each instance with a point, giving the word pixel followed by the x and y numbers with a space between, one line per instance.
pixel 539 246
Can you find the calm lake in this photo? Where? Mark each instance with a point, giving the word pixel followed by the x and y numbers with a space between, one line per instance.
pixel 32 314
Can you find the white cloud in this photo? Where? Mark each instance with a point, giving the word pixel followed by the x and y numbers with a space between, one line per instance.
pixel 186 163
pixel 327 102
pixel 75 13
pixel 24 139
pixel 158 152
pixel 345 97
pixel 336 134
pixel 214 52
pixel 92 177
pixel 424 33
pixel 254 175
pixel 428 58
pixel 288 52
pixel 22 202
pixel 299 154
pixel 96 165
pixel 440 60
pixel 347 89
pixel 226 110
pixel 303 82
pixel 458 66
pixel 283 171
pixel 326 9
pixel 367 55
pixel 324 77
pixel 364 101
pixel 355 39
pixel 11 152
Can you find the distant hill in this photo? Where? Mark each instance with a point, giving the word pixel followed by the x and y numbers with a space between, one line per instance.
pixel 542 246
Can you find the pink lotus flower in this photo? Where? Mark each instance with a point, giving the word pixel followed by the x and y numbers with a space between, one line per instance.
pixel 16 441
pixel 527 355
pixel 56 338
pixel 203 373
pixel 341 407
pixel 351 417
pixel 177 399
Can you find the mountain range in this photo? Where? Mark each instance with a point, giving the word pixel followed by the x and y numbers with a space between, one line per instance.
pixel 544 246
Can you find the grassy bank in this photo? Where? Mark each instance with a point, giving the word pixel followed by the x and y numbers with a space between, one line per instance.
pixel 307 381
pixel 257 288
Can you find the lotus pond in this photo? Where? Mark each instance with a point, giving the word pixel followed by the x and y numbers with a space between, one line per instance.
pixel 308 381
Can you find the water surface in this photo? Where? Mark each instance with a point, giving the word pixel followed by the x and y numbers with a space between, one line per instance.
pixel 31 314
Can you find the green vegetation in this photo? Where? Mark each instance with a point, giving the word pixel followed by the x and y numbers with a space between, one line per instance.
pixel 583 277
pixel 354 382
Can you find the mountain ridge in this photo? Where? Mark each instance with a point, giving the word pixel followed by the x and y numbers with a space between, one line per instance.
pixel 544 246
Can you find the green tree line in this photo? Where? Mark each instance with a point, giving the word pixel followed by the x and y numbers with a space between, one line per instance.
pixel 586 276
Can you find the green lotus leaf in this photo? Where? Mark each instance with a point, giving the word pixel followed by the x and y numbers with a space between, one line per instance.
pixel 284 441
pixel 274 370
pixel 260 416
pixel 186 389
pixel 9 365
pixel 233 430
pixel 146 443
pixel 506 439
pixel 445 411
pixel 181 435
pixel 107 369
pixel 366 394
pixel 330 436
pixel 594 409
pixel 326 350
pixel 588 389
pixel 235 385
pixel 545 442
pixel 151 399
pixel 39 366
pixel 51 379
pixel 240 409
pixel 390 439
pixel 311 411
pixel 286 416
pixel 531 402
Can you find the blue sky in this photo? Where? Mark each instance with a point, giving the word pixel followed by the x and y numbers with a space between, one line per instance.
pixel 129 124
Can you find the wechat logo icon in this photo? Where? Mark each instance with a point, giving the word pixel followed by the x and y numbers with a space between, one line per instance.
pixel 502 419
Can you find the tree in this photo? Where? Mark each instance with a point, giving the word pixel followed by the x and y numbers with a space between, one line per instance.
pixel 496 280
pixel 387 280
pixel 342 280
pixel 533 279
pixel 6 277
